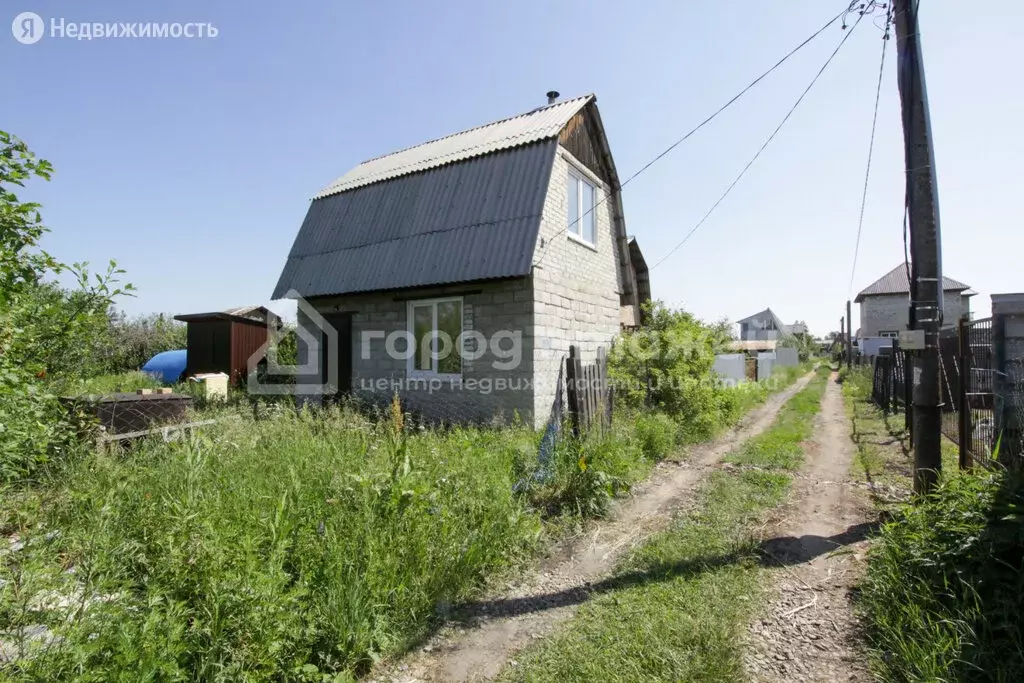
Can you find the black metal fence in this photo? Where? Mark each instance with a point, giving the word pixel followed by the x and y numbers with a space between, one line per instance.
pixel 967 371
pixel 892 388
pixel 970 367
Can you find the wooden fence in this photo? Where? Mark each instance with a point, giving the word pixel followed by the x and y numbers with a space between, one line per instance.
pixel 588 394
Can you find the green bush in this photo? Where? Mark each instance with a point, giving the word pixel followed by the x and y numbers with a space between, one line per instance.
pixel 125 344
pixel 665 366
pixel 944 590
pixel 587 473
pixel 655 433
pixel 44 329
pixel 111 384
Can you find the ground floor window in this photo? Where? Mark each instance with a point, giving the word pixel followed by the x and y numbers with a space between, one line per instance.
pixel 435 326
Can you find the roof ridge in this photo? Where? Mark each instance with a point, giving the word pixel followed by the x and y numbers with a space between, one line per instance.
pixel 470 130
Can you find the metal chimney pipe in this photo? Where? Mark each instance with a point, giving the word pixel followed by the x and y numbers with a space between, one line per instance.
pixel 552 96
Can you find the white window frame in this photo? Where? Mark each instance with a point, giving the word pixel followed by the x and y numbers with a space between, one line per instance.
pixel 889 334
pixel 411 370
pixel 575 231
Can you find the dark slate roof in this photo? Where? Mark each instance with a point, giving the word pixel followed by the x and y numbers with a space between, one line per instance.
pixel 466 207
pixel 896 282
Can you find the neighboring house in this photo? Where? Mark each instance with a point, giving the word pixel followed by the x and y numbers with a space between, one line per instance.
pixel 885 308
pixel 508 240
pixel 763 326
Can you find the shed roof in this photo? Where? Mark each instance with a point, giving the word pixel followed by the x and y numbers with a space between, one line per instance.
pixel 252 314
pixel 462 208
pixel 896 282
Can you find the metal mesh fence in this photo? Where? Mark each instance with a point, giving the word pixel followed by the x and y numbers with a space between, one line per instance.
pixel 977 402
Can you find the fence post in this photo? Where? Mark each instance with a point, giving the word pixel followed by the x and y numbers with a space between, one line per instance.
pixel 602 377
pixel 894 402
pixel 962 403
pixel 572 396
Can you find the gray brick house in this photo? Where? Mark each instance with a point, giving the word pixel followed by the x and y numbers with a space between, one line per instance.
pixel 458 272
pixel 885 308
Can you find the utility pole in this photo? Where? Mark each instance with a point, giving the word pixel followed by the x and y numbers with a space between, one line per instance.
pixel 842 338
pixel 925 244
pixel 849 336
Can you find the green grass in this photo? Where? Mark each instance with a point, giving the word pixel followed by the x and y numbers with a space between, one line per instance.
pixel 943 592
pixel 261 548
pixel 883 446
pixel 110 384
pixel 677 607
pixel 291 546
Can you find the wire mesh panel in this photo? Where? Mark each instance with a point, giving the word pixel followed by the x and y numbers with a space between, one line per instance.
pixel 949 382
pixel 979 389
pixel 128 415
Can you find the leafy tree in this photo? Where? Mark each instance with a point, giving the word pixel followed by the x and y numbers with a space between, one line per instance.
pixel 42 327
pixel 127 343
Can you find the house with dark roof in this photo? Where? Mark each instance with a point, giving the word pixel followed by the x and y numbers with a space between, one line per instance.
pixel 458 272
pixel 885 307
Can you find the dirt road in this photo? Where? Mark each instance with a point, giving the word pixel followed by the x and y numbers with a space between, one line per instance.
pixel 808 631
pixel 486 634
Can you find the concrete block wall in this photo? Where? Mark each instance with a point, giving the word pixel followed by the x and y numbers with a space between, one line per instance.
pixel 1008 331
pixel 484 393
pixel 576 287
pixel 892 312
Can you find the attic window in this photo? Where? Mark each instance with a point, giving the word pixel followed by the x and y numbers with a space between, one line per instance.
pixel 582 201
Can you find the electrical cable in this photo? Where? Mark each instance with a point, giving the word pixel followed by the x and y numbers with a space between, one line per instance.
pixel 871 148
pixel 706 121
pixel 763 146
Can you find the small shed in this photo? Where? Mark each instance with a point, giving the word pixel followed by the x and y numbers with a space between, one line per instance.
pixel 223 341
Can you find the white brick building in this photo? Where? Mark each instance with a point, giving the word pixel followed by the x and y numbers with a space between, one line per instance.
pixel 507 239
pixel 885 307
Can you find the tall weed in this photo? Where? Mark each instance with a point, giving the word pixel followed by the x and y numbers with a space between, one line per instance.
pixel 300 544
pixel 944 589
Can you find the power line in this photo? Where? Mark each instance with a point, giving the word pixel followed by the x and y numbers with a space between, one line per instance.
pixel 763 146
pixel 871 148
pixel 710 118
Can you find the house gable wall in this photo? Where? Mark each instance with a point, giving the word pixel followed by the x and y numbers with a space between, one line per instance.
pixel 576 287
pixel 884 312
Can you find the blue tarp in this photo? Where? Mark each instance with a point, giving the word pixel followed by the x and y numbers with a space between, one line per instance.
pixel 168 367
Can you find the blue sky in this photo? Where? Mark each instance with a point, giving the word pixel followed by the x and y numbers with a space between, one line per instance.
pixel 192 161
